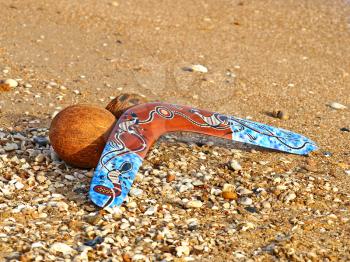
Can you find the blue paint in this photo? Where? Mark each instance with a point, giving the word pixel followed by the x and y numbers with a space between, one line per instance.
pixel 101 177
pixel 270 137
pixel 118 165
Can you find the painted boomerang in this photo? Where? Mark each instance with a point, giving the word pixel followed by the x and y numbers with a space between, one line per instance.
pixel 140 126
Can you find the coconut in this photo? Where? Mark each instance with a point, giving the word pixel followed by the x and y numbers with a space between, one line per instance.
pixel 79 133
pixel 123 102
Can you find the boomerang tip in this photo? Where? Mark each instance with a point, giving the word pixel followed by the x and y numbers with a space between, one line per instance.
pixel 110 189
pixel 271 137
pixel 308 147
pixel 102 196
pixel 101 191
pixel 297 140
pixel 312 146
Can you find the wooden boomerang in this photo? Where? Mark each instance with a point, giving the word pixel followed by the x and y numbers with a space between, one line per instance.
pixel 140 126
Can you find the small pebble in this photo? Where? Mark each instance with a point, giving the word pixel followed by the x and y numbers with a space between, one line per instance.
pixel 235 165
pixel 246 201
pixel 91 243
pixel 4 87
pixel 183 188
pixel 18 136
pixel 244 191
pixel 10 146
pixel 151 211
pixel 170 178
pixel 136 192
pixel 216 191
pixel 196 68
pixel 41 179
pixel 327 154
pixel 127 258
pixel 62 248
pixel 280 114
pixel 310 168
pixel 246 226
pixel 194 204
pixel 226 205
pixel 337 106
pixel 229 195
pixel 41 140
pixel 197 183
pixel 131 205
pixel 93 220
pixel 11 82
pixel 139 257
pixel 182 250
pixel 62 206
pixel 228 188
pixel 266 205
pixel 290 197
pixel 19 185
pixel 192 224
pixel 124 226
pixel 37 245
pixel 251 209
pixel 40 158
pixel 70 177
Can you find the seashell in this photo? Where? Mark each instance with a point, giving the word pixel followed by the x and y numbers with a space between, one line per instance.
pixel 123 102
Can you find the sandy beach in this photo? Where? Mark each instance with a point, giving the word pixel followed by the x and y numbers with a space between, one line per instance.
pixel 257 58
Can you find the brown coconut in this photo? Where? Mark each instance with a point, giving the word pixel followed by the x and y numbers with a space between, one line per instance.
pixel 79 133
pixel 123 102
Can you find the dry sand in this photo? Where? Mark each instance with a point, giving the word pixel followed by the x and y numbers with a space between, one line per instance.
pixel 261 56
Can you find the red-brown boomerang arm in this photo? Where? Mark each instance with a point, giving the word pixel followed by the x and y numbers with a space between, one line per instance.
pixel 139 127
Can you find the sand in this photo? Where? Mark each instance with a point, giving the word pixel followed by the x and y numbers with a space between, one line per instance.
pixel 261 56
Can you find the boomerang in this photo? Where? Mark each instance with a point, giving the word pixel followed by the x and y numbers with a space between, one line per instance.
pixel 140 126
